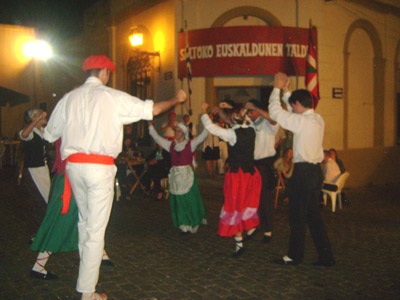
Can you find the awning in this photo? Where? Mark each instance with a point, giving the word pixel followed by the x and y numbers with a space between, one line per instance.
pixel 12 97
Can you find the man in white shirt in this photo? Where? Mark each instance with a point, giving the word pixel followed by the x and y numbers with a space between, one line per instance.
pixel 306 181
pixel 264 154
pixel 90 120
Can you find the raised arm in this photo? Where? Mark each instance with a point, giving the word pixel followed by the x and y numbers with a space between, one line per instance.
pixel 262 112
pixel 199 139
pixel 25 134
pixel 227 135
pixel 287 120
pixel 164 143
pixel 56 123
pixel 163 106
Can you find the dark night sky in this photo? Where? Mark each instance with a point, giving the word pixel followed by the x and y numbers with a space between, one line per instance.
pixel 56 19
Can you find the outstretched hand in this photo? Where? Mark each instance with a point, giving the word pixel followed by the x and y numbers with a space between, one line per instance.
pixel 213 110
pixel 40 116
pixel 280 80
pixel 250 106
pixel 204 107
pixel 181 96
pixel 287 84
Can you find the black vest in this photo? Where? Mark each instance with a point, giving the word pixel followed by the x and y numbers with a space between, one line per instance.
pixel 241 155
pixel 35 152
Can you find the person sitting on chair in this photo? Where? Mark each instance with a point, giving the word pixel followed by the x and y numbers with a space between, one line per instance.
pixel 285 166
pixel 334 156
pixel 159 164
pixel 331 172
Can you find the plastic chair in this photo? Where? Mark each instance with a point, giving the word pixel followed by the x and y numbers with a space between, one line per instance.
pixel 280 186
pixel 336 195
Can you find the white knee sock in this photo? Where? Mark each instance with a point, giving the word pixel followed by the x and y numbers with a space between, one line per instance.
pixel 251 231
pixel 41 261
pixel 105 256
pixel 238 243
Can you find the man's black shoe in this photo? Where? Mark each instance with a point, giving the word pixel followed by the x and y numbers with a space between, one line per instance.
pixel 107 263
pixel 249 236
pixel 267 239
pixel 283 262
pixel 41 276
pixel 324 263
pixel 238 252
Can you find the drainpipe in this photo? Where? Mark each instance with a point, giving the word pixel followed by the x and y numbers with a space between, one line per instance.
pixel 297 25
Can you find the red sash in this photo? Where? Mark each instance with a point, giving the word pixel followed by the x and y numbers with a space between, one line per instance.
pixel 81 158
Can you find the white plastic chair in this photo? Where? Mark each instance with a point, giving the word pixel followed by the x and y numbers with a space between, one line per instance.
pixel 340 184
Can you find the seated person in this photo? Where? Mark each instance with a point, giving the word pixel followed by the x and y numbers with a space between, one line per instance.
pixel 285 165
pixel 331 172
pixel 334 156
pixel 130 150
pixel 159 164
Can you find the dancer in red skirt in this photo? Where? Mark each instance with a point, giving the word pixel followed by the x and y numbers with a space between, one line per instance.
pixel 242 185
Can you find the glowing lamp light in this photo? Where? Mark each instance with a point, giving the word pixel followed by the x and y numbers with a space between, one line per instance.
pixel 136 39
pixel 38 49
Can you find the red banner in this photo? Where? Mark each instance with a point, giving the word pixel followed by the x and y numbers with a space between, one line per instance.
pixel 245 50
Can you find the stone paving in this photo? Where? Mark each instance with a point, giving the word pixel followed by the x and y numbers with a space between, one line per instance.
pixel 154 261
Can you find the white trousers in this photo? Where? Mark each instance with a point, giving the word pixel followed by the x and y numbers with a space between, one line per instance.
pixel 93 187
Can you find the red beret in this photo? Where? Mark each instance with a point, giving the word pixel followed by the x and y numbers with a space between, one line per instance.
pixel 98 62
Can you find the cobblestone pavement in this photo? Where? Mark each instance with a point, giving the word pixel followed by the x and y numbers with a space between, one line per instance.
pixel 154 261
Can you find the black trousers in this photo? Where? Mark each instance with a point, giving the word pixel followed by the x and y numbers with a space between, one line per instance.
pixel 304 190
pixel 266 206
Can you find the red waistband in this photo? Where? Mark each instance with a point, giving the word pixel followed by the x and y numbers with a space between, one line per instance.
pixel 81 158
pixel 91 159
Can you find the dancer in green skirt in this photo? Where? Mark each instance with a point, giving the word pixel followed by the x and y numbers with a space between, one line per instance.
pixel 58 232
pixel 187 209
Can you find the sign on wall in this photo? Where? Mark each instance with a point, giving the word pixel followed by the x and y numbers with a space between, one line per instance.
pixel 245 50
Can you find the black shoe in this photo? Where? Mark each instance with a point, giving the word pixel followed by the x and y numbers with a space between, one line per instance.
pixel 48 276
pixel 267 239
pixel 31 240
pixel 324 263
pixel 249 236
pixel 238 252
pixel 107 263
pixel 283 262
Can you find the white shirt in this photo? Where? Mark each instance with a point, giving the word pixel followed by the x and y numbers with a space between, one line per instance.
pixel 331 171
pixel 228 135
pixel 30 136
pixel 307 128
pixel 265 138
pixel 90 119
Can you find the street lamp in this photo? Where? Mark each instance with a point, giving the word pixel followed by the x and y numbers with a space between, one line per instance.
pixel 37 50
pixel 136 39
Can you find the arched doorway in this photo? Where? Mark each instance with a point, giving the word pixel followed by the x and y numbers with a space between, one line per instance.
pixel 239 16
pixel 362 37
